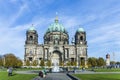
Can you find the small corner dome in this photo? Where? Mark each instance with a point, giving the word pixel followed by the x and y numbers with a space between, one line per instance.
pixel 32 28
pixel 80 30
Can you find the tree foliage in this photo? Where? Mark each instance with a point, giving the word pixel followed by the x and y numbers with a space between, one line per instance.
pixel 1 61
pixel 73 63
pixel 27 63
pixel 82 63
pixel 42 63
pixel 100 62
pixel 112 62
pixel 61 63
pixel 34 63
pixel 11 60
pixel 49 63
pixel 68 63
pixel 92 62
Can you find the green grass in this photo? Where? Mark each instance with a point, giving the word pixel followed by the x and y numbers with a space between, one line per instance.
pixel 25 69
pixel 107 70
pixel 98 76
pixel 15 76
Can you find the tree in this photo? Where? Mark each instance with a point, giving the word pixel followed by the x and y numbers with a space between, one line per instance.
pixel 82 63
pixel 74 63
pixel 11 60
pixel 100 62
pixel 1 61
pixel 61 63
pixel 42 63
pixel 34 63
pixel 92 62
pixel 68 63
pixel 117 62
pixel 27 63
pixel 19 62
pixel 112 62
pixel 49 63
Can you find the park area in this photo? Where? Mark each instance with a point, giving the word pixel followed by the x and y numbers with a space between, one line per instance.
pixel 98 74
pixel 15 76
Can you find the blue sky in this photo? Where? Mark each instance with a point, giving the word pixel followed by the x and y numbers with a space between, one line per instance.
pixel 99 18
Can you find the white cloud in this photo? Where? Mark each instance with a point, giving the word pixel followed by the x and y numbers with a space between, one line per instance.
pixel 104 33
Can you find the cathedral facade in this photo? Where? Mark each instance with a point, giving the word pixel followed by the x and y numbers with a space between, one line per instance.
pixel 56 47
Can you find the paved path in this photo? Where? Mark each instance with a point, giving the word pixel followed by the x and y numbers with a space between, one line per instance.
pixel 54 76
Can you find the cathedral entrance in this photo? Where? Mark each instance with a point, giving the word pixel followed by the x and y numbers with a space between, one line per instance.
pixel 55 58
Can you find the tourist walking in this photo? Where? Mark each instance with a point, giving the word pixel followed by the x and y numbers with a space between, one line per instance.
pixel 9 71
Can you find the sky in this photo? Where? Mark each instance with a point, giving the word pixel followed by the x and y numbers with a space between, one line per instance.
pixel 99 18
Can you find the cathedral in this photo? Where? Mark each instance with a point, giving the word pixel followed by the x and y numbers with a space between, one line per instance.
pixel 56 47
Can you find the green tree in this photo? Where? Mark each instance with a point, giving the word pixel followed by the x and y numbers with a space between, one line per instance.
pixel 74 63
pixel 68 63
pixel 34 63
pixel 82 62
pixel 49 63
pixel 117 62
pixel 100 62
pixel 27 63
pixel 92 62
pixel 112 62
pixel 61 63
pixel 42 63
pixel 1 61
pixel 19 63
pixel 11 60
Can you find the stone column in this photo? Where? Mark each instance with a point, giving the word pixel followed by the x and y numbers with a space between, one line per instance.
pixel 85 62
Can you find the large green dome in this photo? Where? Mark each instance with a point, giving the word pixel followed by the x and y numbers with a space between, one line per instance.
pixel 56 27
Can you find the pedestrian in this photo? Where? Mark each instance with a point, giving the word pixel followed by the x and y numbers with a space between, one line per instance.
pixel 41 74
pixel 9 71
pixel 44 72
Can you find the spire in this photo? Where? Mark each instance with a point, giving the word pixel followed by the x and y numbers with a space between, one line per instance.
pixel 56 18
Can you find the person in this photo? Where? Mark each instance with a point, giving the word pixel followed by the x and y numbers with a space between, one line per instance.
pixel 41 74
pixel 9 71
pixel 44 72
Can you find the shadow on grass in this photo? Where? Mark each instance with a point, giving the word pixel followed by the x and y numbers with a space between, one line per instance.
pixel 14 74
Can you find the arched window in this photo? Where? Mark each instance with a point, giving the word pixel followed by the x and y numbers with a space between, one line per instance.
pixel 31 37
pixel 81 38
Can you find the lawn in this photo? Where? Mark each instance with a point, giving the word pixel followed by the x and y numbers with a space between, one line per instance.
pixel 107 70
pixel 15 76
pixel 98 76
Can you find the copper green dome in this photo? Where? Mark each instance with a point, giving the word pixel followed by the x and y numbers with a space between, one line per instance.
pixel 56 27
pixel 80 30
pixel 32 28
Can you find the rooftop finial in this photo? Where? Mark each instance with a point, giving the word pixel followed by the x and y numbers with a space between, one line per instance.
pixel 56 18
pixel 32 25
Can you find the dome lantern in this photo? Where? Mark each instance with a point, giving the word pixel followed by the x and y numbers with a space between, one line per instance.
pixel 80 30
pixel 31 28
